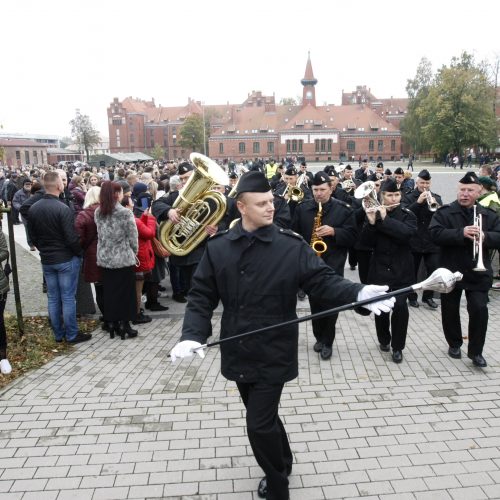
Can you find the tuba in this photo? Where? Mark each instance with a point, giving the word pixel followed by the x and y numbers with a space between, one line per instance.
pixel 198 207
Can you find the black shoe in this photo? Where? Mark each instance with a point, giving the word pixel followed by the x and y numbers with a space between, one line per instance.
pixel 397 356
pixel 178 297
pixel 326 352
pixel 80 337
pixel 430 303
pixel 262 489
pixel 318 346
pixel 156 306
pixel 454 352
pixel 385 347
pixel 353 268
pixel 478 360
pixel 130 331
pixel 142 318
pixel 106 326
pixel 413 303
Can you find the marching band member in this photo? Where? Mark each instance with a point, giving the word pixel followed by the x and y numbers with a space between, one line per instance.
pixel 388 231
pixel 454 229
pixel 336 226
pixel 255 270
pixel 423 204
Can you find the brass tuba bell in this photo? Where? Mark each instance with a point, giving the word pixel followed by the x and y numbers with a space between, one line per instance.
pixel 198 207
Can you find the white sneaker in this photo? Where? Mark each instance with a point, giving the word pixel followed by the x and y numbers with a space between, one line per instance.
pixel 5 367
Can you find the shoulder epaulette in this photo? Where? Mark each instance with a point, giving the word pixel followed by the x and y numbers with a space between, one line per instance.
pixel 289 232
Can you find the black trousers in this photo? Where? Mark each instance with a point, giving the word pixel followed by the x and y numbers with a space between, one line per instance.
pixel 363 257
pixel 353 257
pixel 324 328
pixel 3 332
pixel 392 327
pixel 267 435
pixel 431 262
pixel 477 308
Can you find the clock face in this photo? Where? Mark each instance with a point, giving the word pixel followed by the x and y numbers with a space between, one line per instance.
pixel 309 94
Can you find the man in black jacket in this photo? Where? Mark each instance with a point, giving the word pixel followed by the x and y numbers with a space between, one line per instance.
pixel 335 225
pixel 51 227
pixel 255 269
pixel 422 246
pixel 453 228
pixel 388 231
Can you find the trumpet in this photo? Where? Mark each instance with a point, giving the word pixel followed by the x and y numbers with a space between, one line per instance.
pixel 477 246
pixel 348 185
pixel 431 202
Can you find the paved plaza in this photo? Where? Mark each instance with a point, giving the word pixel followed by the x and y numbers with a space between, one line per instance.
pixel 116 419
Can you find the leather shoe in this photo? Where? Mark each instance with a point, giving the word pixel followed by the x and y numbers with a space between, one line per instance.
pixel 413 303
pixel 397 356
pixel 318 346
pixel 80 337
pixel 478 360
pixel 385 347
pixel 262 489
pixel 178 297
pixel 155 306
pixel 454 352
pixel 326 352
pixel 431 303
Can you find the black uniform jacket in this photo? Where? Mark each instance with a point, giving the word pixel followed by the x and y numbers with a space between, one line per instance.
pixel 336 214
pixel 257 279
pixel 392 262
pixel 422 241
pixel 447 231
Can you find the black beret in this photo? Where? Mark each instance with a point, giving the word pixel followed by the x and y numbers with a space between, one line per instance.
pixel 469 178
pixel 329 169
pixel 291 171
pixel 387 171
pixel 303 164
pixel 233 175
pixel 365 161
pixel 373 177
pixel 320 178
pixel 425 175
pixel 380 164
pixel 399 171
pixel 184 167
pixel 484 180
pixel 389 186
pixel 348 167
pixel 253 182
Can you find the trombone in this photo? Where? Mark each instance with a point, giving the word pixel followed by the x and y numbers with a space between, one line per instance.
pixel 477 246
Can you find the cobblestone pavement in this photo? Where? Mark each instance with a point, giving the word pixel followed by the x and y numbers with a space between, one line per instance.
pixel 115 419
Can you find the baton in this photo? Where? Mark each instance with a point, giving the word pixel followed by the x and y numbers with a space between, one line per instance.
pixel 441 280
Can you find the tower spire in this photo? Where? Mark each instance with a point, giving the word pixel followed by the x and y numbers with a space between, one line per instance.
pixel 309 93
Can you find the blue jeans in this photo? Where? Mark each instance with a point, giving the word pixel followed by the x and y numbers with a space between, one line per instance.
pixel 62 281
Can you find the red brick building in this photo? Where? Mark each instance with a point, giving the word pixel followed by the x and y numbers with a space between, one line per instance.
pixel 260 128
pixel 18 152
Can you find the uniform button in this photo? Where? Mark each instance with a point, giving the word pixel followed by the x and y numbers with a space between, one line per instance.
pixel 242 376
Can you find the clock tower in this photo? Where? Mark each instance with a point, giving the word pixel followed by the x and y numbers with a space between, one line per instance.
pixel 309 94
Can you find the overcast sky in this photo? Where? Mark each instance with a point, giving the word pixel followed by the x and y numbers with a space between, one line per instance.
pixel 61 55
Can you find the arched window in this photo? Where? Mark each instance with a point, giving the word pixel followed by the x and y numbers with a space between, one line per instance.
pixel 329 145
pixel 294 145
pixel 323 145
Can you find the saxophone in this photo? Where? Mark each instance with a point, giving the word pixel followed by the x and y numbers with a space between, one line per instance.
pixel 317 243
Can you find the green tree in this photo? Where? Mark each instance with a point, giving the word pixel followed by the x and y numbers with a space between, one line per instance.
pixel 418 90
pixel 83 133
pixel 65 142
pixel 158 153
pixel 457 112
pixel 191 133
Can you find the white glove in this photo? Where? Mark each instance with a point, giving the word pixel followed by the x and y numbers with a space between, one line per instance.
pixel 369 291
pixel 184 349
